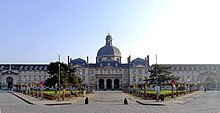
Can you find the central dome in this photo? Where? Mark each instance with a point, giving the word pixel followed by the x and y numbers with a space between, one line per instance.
pixel 109 52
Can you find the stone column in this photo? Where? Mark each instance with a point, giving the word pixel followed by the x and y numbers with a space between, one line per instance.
pixel 113 84
pixel 2 81
pixel 105 83
pixel 120 83
pixel 97 84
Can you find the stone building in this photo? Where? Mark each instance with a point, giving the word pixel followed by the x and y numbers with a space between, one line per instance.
pixel 205 75
pixel 108 72
pixel 22 74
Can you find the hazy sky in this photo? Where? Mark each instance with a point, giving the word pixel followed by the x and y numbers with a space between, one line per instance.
pixel 178 31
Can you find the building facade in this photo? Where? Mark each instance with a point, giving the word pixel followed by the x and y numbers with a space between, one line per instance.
pixel 109 73
pixel 22 74
pixel 204 75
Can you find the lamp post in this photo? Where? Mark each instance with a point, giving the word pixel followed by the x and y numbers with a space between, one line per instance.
pixel 23 86
pixel 188 80
pixel 59 83
pixel 198 85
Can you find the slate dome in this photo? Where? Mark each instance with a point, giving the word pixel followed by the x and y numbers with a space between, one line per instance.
pixel 109 52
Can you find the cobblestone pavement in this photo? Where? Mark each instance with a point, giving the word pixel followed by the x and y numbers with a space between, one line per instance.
pixel 206 102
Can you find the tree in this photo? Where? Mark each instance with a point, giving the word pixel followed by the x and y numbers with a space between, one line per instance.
pixel 67 74
pixel 160 74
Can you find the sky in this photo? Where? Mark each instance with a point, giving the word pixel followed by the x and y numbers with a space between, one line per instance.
pixel 177 31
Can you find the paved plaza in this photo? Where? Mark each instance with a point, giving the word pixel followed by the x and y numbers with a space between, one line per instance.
pixel 112 102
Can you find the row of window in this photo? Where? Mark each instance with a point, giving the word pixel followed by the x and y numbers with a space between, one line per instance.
pixel 32 77
pixel 140 71
pixel 139 79
pixel 103 71
pixel 24 67
pixel 117 71
pixel 41 72
pixel 196 68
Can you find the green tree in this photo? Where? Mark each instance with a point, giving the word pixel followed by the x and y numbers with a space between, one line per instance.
pixel 67 74
pixel 161 74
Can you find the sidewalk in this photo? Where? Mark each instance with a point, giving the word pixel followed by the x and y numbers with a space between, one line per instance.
pixel 178 100
pixel 145 102
pixel 38 101
pixel 186 98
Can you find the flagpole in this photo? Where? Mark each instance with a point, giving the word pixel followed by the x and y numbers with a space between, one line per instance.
pixel 157 90
pixel 59 76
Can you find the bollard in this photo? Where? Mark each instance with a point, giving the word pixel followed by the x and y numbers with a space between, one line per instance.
pixel 162 96
pixel 125 102
pixel 86 100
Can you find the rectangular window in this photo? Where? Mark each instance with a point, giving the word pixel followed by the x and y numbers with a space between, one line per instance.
pixel 134 71
pixel 83 78
pixel 125 72
pixel 112 71
pixel 125 78
pixel 146 71
pixel 140 71
pixel 198 78
pixel 187 77
pixel 19 77
pixel 83 71
pixel 120 71
pixel 183 78
pixel 92 72
pixel 116 71
pixel 92 78
pixel 101 71
pixel 192 78
pixel 140 79
pixel 108 71
pixel 134 78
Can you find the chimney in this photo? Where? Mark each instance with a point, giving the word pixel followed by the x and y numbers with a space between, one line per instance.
pixel 68 60
pixel 129 59
pixel 148 61
pixel 87 60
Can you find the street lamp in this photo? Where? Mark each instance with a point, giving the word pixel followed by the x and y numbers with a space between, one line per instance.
pixel 188 80
pixel 59 83
pixel 198 85
pixel 23 86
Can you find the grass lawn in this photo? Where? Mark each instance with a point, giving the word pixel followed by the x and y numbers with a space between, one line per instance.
pixel 166 92
pixel 53 92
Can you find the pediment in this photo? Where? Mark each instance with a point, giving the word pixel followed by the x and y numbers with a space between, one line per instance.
pixel 10 72
pixel 139 66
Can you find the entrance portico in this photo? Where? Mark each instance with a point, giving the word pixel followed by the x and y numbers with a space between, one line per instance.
pixel 108 82
pixel 8 79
